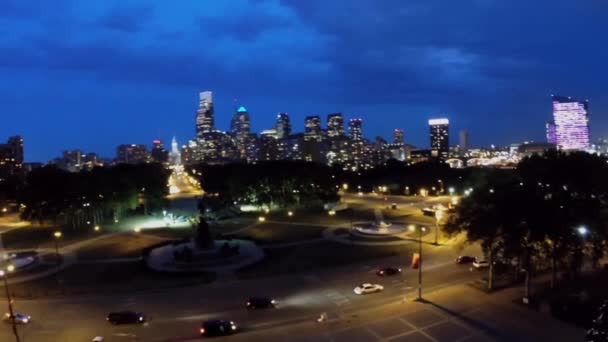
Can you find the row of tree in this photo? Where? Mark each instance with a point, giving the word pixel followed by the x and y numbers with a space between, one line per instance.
pixel 544 215
pixel 272 184
pixel 96 196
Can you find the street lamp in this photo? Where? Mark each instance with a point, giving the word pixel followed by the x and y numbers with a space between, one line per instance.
pixel 4 275
pixel 451 190
pixel 422 229
pixel 57 236
pixel 582 231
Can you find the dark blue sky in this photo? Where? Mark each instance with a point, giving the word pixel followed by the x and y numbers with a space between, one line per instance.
pixel 94 74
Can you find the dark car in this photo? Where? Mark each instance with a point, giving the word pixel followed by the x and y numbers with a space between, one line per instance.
pixel 261 303
pixel 126 317
pixel 217 328
pixel 465 259
pixel 388 271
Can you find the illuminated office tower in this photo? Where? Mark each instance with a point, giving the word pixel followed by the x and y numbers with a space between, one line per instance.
pixel 439 134
pixel 335 125
pixel 551 134
pixel 356 138
pixel 398 137
pixel 312 128
pixel 204 114
pixel 283 126
pixel 571 123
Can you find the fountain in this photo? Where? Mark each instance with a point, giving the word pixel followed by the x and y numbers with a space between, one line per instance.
pixel 378 228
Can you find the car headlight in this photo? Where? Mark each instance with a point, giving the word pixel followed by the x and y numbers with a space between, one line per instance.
pixel 202 331
pixel 273 301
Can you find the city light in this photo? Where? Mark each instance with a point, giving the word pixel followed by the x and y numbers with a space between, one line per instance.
pixel 290 213
pixel 451 190
pixel 57 234
pixel 582 230
pixel 261 219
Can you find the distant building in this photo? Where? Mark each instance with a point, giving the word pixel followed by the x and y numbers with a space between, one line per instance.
pixel 204 114
pixel 91 160
pixel 11 155
pixel 132 154
pixel 439 134
pixel 72 160
pixel 158 152
pixel 398 137
pixel 268 145
pixel 293 149
pixel 335 125
pixel 530 149
pixel 187 153
pixel 463 141
pixel 215 147
pixel 312 128
pixel 551 133
pixel 571 123
pixel 355 127
pixel 283 125
pixel 240 130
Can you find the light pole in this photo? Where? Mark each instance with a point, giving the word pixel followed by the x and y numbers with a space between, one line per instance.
pixel 438 217
pixel 4 275
pixel 57 236
pixel 420 230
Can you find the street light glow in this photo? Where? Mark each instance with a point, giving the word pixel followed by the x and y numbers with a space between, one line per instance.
pixel 57 234
pixel 10 268
pixel 582 230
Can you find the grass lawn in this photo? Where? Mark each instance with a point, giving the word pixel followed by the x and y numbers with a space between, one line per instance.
pixel 34 237
pixel 117 246
pixel 266 233
pixel 314 256
pixel 106 278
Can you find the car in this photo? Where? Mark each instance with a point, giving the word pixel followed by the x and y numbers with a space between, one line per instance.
pixel 368 288
pixel 388 271
pixel 19 318
pixel 217 328
pixel 481 263
pixel 465 259
pixel 261 303
pixel 126 317
pixel 97 339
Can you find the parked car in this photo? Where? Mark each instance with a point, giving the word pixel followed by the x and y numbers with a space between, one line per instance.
pixel 261 303
pixel 217 328
pixel 19 318
pixel 481 264
pixel 388 271
pixel 465 259
pixel 368 288
pixel 126 317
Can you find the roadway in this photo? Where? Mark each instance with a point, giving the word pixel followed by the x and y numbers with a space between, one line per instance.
pixel 175 314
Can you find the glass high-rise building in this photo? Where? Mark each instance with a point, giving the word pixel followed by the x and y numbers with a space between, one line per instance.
pixel 283 125
pixel 439 134
pixel 398 137
pixel 571 119
pixel 551 134
pixel 335 125
pixel 204 114
pixel 240 130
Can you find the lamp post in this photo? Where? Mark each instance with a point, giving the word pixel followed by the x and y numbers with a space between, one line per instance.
pixel 438 217
pixel 4 275
pixel 57 236
pixel 420 230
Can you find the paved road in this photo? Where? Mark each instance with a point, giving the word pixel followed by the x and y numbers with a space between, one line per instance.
pixel 176 313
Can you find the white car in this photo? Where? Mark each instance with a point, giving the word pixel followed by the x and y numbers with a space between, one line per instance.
pixel 481 263
pixel 368 288
pixel 19 318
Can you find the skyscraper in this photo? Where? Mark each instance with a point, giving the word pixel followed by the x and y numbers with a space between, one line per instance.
pixel 158 153
pixel 132 154
pixel 239 130
pixel 571 123
pixel 463 141
pixel 550 130
pixel 312 129
pixel 356 137
pixel 175 157
pixel 439 134
pixel 283 126
pixel 335 125
pixel 398 136
pixel 204 114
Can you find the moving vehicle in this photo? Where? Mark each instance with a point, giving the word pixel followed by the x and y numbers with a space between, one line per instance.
pixel 465 259
pixel 261 303
pixel 126 317
pixel 388 271
pixel 368 288
pixel 217 328
pixel 19 318
pixel 481 263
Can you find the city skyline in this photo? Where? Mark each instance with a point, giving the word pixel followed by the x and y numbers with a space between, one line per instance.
pixel 477 72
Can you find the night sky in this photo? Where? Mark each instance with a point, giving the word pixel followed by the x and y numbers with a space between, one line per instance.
pixel 95 74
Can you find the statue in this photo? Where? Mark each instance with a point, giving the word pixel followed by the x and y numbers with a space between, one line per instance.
pixel 203 237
